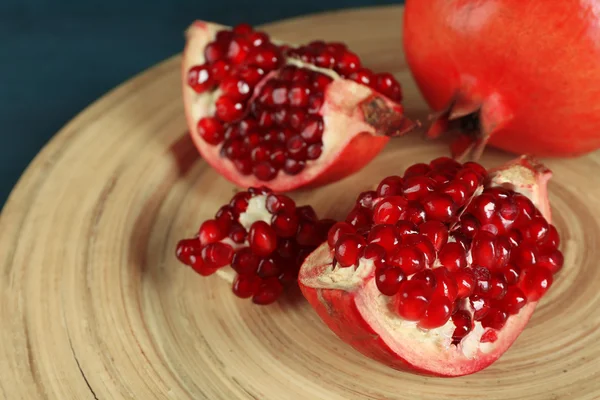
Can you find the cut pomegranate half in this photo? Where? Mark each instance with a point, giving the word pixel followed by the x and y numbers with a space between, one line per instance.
pixel 262 236
pixel 441 269
pixel 267 114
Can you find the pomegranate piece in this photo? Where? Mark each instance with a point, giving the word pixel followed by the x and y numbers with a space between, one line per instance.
pixel 261 236
pixel 447 293
pixel 261 114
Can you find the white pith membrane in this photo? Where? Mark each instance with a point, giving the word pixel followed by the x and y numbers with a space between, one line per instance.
pixel 343 119
pixel 431 350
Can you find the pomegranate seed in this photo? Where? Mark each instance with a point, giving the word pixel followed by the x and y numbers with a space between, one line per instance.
pixel 511 274
pixel 348 248
pixel 469 178
pixel 480 170
pixel 188 250
pixel 297 148
pixel 244 286
pixel 210 232
pixel 262 238
pixel 314 151
pixel 238 50
pixel 367 198
pixel 228 110
pixel 277 202
pixel 287 248
pixel 242 29
pixel 325 60
pixel 375 253
pixel 483 280
pixel 484 207
pixel 313 130
pixel 199 78
pixel 424 244
pixel 534 282
pixel 390 186
pixel 264 171
pixel 213 52
pixel 387 85
pixel 321 81
pixel 514 238
pixel 457 192
pixel 348 63
pixel 244 166
pixel 235 89
pixel 535 230
pixel 308 234
pixel 412 299
pixel 390 210
pixel 464 241
pixel 465 282
pixel 406 228
pixel 359 217
pixel 249 74
pixel 419 169
pixel 216 255
pixel 337 230
pixel 293 167
pixel 481 307
pixel 268 268
pixel 307 213
pixel 257 39
pixel 494 319
pixel 297 118
pixel 490 251
pixel 426 276
pixel 409 259
pixel 315 102
pixel 525 256
pixel 301 75
pixel 204 270
pixel 551 240
pixel 298 94
pixel 445 284
pixel 268 291
pixel 385 236
pixel 453 256
pixel 261 153
pixel 464 325
pixel 288 277
pixel 388 280
pixel 219 70
pixel 553 261
pixel 490 336
pixel 514 300
pixel 244 262
pixel 285 225
pixel 363 76
pixel 508 212
pixel 437 313
pixel 498 287
pixel 438 207
pixel 211 130
pixel 439 177
pixel 468 226
pixel 445 164
pixel 417 187
pixel 239 202
pixel 526 209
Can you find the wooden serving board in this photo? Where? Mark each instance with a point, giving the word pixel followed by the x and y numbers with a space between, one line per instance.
pixel 94 304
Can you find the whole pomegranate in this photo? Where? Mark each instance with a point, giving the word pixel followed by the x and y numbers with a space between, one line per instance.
pixel 523 76
pixel 264 113
pixel 438 270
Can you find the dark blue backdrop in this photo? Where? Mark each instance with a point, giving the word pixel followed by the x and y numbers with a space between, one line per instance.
pixel 58 56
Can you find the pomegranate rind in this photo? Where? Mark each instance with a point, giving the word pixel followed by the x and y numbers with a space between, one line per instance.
pixel 358 124
pixel 349 309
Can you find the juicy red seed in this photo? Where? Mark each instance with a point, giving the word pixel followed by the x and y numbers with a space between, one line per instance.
pixel 482 280
pixel 412 300
pixel 258 38
pixel 464 325
pixel 188 250
pixel 445 284
pixel 359 217
pixel 511 274
pixel 387 85
pixel 552 261
pixel 525 256
pixel 436 232
pixel 244 286
pixel 242 29
pixel 424 244
pixel 284 224
pixel 526 209
pixel 314 151
pixel 308 234
pixel 426 276
pixel 535 230
pixel 514 238
pixel 490 336
pixel 278 202
pixel 481 307
pixel 465 283
pixel 297 118
pixel 366 199
pixel 228 109
pixel 235 88
pixel 256 191
pixel 217 254
pixel 551 241
pixel 214 51
pixel 210 232
pixel 348 249
pixel 268 267
pixel 388 280
pixel 264 171
pixel 315 102
pixel 199 78
pixel 478 168
pixel 288 277
pixel 384 235
pixel 514 300
pixel 239 202
pixel 287 248
pixel 238 50
pixel 244 166
pixel 203 269
pixel 252 139
pixel 325 60
pixel 219 70
pixel 293 167
pixel 495 319
pixel 439 207
pixel 262 238
pixel 363 76
pixel 439 177
pixel 375 253
pixel 456 190
pixel 498 287
pixel 261 153
pixel 419 169
pixel 409 259
pixel 211 130
pixel 390 210
pixel 348 63
pixel 484 207
pixel 268 291
pixel 437 313
pixel 406 228
pixel 453 256
pixel 301 75
pixel 390 186
pixel 468 225
pixel 298 94
pixel 279 95
pixel 469 178
pixel 278 156
pixel 313 130
pixel 297 148
pixel 337 230
pixel 445 164
pixel 508 212
pixel 237 233
pixel 464 241
pixel 244 262
pixel 249 74
pixel 307 213
pixel 490 251
pixel 534 282
pixel 417 187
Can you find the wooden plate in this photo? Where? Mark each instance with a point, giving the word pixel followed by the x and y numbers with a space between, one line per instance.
pixel 95 306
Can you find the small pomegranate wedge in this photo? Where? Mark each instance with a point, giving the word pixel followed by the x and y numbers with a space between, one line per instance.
pixel 264 237
pixel 438 271
pixel 267 114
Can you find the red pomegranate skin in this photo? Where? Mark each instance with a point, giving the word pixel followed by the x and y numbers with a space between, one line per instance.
pixel 532 67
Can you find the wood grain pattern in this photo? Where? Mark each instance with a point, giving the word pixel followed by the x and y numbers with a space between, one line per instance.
pixel 95 306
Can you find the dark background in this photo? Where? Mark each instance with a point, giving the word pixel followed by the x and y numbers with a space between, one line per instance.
pixel 56 57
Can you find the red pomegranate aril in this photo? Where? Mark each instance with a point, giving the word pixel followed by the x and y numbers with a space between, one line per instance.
pixel 239 202
pixel 427 276
pixel 298 94
pixel 200 79
pixel 249 74
pixel 387 85
pixel 214 51
pixel 445 164
pixel 210 232
pixel 325 60
pixel 438 207
pixel 264 171
pixel 244 262
pixel 359 217
pixel 390 186
pixel 348 63
pixel 314 151
pixel 202 269
pixel 498 287
pixel 511 273
pixel 244 166
pixel 409 259
pixel 514 300
pixel 453 256
pixel 484 207
pixel 363 76
pixel 388 280
pixel 211 130
pixel 278 156
pixel 307 213
pixel 478 168
pixel 525 256
pixel 412 300
pixel 217 255
pixel 287 248
pixel 277 202
pixel 489 251
pixel 262 238
pixel 389 210
pixel 267 57
pixel 258 38
pixel 465 283
pixel 482 280
pixel 419 169
pixel 384 235
pixel 423 244
pixel 481 307
pixel 297 148
pixel 235 89
pixel 228 109
pixel 242 29
pixel 406 228
pixel 552 261
pixel 439 177
pixel 469 178
pixel 293 167
pixel 260 153
pixel 366 199
pixel 445 284
pixel 436 232
pixel 315 102
pixel 347 249
pixel 456 190
pixel 535 230
pixel 375 253
pixel 268 291
pixel 313 130
pixel 308 234
pixel 268 268
pixel 188 250
pixel 321 81
pixel 417 187
pixel 297 118
pixel 526 209
pixel 534 282
pixel 284 224
pixel 437 313
pixel 464 325
pixel 495 319
pixel 550 241
pixel 219 70
pixel 238 50
pixel 337 230
pixel 468 226
pixel 244 286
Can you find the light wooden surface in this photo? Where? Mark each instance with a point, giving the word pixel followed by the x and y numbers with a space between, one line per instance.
pixel 93 304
